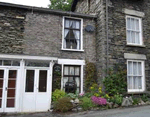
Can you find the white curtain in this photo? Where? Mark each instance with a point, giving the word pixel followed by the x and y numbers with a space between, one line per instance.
pixel 65 34
pixel 77 36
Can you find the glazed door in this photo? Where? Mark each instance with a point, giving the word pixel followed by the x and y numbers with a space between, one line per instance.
pixel 8 81
pixel 36 96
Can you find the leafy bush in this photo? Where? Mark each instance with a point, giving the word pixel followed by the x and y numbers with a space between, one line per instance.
pixel 86 103
pixel 72 95
pixel 118 99
pixel 115 82
pixel 136 100
pixel 63 105
pixel 90 77
pixel 144 97
pixel 57 94
pixel 98 100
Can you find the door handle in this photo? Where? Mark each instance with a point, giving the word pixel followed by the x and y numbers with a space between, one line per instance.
pixel 6 89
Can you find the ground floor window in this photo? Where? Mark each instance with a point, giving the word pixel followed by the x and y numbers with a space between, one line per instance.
pixel 135 75
pixel 71 78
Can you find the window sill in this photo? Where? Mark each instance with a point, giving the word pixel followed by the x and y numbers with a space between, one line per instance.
pixel 74 50
pixel 135 91
pixel 134 45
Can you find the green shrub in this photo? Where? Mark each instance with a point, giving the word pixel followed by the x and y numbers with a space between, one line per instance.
pixel 144 97
pixel 135 100
pixel 63 105
pixel 86 103
pixel 115 82
pixel 57 94
pixel 72 95
pixel 118 99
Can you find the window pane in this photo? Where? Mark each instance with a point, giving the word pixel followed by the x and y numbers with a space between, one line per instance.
pixel 15 63
pixel 66 34
pixel 129 37
pixel 65 79
pixel 66 70
pixel 7 63
pixel 137 24
pixel 67 23
pixel 135 68
pixel 137 38
pixel 139 68
pixel 77 79
pixel 1 73
pixel 76 34
pixel 129 82
pixel 12 73
pixel 128 23
pixel 43 81
pixel 29 81
pixel 133 36
pixel 135 82
pixel 129 68
pixel 132 24
pixel 77 25
pixel 77 69
pixel 139 83
pixel 71 71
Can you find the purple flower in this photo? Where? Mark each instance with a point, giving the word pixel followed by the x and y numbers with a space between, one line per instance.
pixel 81 94
pixel 99 100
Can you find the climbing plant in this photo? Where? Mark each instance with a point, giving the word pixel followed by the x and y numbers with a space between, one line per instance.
pixel 90 75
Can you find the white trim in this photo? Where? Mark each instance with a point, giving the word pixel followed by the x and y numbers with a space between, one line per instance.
pixel 140 28
pixel 73 50
pixel 133 12
pixel 26 57
pixel 81 41
pixel 142 78
pixel 72 62
pixel 135 56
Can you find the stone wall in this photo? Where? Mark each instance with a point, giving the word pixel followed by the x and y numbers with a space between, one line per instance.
pixel 117 33
pixel 39 33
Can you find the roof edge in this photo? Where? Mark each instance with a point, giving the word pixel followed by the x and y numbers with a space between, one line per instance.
pixel 47 10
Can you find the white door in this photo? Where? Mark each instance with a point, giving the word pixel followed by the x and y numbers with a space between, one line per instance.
pixel 37 90
pixel 8 92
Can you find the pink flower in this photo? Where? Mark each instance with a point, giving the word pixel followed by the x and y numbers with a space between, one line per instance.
pixel 99 100
pixel 81 94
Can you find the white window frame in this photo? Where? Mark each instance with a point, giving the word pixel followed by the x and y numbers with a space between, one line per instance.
pixel 142 78
pixel 140 28
pixel 72 62
pixel 81 38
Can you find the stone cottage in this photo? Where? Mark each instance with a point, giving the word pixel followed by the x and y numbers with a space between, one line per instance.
pixel 32 40
pixel 123 37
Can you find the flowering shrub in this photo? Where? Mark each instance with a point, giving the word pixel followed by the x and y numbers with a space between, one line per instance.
pixel 98 100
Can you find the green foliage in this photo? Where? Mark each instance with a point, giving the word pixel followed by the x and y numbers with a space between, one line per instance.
pixel 115 82
pixel 117 99
pixel 57 94
pixel 86 103
pixel 64 5
pixel 135 100
pixel 72 95
pixel 56 80
pixel 63 105
pixel 90 77
pixel 144 97
pixel 89 94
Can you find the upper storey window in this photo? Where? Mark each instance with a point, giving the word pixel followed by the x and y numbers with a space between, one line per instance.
pixel 72 34
pixel 134 30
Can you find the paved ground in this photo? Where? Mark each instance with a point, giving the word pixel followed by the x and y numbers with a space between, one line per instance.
pixel 143 111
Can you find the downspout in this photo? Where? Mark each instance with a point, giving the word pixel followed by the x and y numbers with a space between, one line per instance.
pixel 107 36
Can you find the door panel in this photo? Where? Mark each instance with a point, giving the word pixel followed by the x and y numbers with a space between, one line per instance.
pixel 36 88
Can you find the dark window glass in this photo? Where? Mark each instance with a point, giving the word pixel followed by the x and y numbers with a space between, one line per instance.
pixel 29 81
pixel 1 73
pixel 37 64
pixel 12 73
pixel 43 81
pixel 7 62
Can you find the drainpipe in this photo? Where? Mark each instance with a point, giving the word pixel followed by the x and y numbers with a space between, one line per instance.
pixel 107 36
